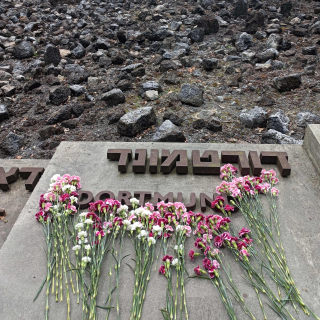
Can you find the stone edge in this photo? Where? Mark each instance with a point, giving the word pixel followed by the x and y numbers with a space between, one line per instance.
pixel 311 143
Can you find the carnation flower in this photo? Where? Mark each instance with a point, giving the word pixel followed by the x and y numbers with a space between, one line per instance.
pixel 76 247
pixel 191 254
pixel 197 270
pixel 134 201
pixel 243 232
pixel 86 259
pixel 175 262
pixel 78 225
pixel 82 234
pixel 167 258
pixel 162 269
pixel 87 247
pixel 88 221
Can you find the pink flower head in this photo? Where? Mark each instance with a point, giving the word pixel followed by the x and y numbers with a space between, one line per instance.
pixel 197 270
pixel 167 235
pixel 228 208
pixel 149 206
pixel 244 252
pixel 206 263
pixel 244 232
pixel 118 221
pixel 215 264
pixel 200 216
pixel 191 254
pixel 217 201
pixel 226 236
pixel 162 269
pixel 161 205
pixel 188 230
pixel 212 272
pixel 274 192
pixel 167 258
pixel 47 206
pixel 100 234
pixel 218 241
pixel 50 196
pixel 199 243
pixel 168 228
pixel 39 215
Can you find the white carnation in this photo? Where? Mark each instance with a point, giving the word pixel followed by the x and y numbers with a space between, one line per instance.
pixel 88 221
pixel 78 225
pixel 134 200
pixel 86 259
pixel 175 262
pixel 76 247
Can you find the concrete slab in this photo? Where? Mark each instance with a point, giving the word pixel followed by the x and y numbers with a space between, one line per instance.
pixel 15 199
pixel 23 262
pixel 311 143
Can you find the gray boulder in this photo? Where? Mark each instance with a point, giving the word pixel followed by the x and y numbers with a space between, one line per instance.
pixel 168 132
pixel 279 122
pixel 305 118
pixel 150 85
pixel 196 35
pixel 287 83
pixel 52 55
pixel 113 97
pixel 191 95
pixel 59 95
pixel 276 137
pixel 243 41
pixel 273 41
pixel 256 117
pixel 23 50
pixel 136 121
pixel 79 51
pixel 4 115
pixel 11 143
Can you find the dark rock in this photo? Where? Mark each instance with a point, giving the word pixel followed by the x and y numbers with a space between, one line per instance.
pixel 4 115
pixel 122 36
pixel 305 118
pixel 199 124
pixel 105 62
pixel 102 44
pixel 64 113
pixel 210 64
pixel 124 85
pixel 191 95
pixel 240 9
pixel 113 97
pixel 300 32
pixel 243 41
pixel 173 118
pixel 275 137
pixel 256 117
pixel 310 50
pixel 285 44
pixel 77 90
pixel 79 51
pixel 168 132
pixel 287 83
pixel 279 122
pixel 214 125
pixel 136 121
pixel 52 55
pixel 196 35
pixel 33 84
pixel 286 8
pixel 116 115
pixel 166 65
pixel 47 132
pixel 11 143
pixel 209 24
pixel 23 50
pixel 70 124
pixel 59 95
pixel 139 72
pixel 255 22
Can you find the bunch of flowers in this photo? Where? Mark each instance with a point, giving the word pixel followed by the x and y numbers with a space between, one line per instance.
pixel 145 228
pixel 57 208
pixel 95 235
pixel 268 250
pixel 212 234
pixel 178 223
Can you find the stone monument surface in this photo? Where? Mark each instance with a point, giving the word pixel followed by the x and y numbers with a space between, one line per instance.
pixel 23 261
